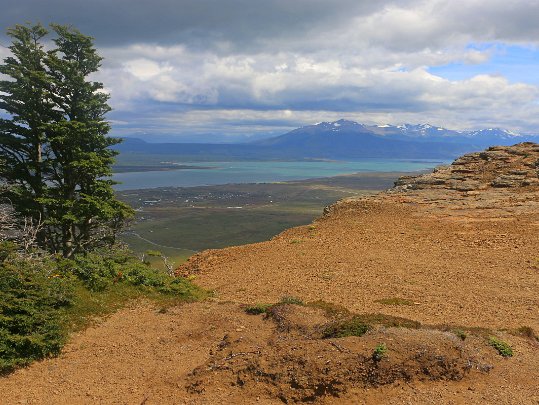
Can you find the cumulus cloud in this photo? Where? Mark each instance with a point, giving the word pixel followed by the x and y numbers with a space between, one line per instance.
pixel 243 67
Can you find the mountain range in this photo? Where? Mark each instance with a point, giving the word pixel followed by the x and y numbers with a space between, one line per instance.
pixel 340 139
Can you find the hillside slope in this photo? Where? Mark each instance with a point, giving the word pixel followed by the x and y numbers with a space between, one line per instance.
pixel 433 269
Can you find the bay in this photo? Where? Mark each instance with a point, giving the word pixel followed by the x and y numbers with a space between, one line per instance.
pixel 215 173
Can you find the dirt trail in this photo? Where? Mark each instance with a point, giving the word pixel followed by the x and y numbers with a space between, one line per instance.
pixel 459 247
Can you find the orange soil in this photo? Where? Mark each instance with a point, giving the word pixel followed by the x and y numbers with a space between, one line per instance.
pixel 463 258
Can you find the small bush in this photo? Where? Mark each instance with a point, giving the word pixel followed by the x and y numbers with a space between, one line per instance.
pixel 503 348
pixel 31 325
pixel 354 326
pixel 379 352
pixel 460 333
pixel 257 309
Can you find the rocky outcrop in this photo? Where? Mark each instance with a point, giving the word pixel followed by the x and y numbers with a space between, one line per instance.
pixel 497 167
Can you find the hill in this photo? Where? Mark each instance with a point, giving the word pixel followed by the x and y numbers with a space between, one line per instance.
pixel 426 293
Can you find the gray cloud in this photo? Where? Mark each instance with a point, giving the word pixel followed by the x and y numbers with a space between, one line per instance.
pixel 247 66
pixel 194 22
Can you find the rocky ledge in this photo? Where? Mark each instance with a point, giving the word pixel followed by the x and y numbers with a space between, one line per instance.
pixel 501 181
pixel 497 167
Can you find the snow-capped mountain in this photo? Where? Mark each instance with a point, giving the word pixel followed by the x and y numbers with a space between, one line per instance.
pixel 345 139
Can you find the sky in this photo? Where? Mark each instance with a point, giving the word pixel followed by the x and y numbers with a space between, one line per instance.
pixel 235 70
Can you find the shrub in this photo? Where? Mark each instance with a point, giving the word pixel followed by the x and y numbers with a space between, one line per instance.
pixel 100 270
pixel 43 299
pixel 31 325
pixel 460 333
pixel 354 326
pixel 503 348
pixel 379 352
pixel 257 309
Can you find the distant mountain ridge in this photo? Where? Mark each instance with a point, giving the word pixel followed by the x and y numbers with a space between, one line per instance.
pixel 341 139
pixel 428 132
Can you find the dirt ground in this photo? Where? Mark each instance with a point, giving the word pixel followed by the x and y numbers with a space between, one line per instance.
pixel 447 258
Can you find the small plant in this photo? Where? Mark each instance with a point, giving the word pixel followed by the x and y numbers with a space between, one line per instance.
pixel 379 352
pixel 257 309
pixel 460 333
pixel 291 300
pixel 294 241
pixel 311 227
pixel 394 301
pixel 503 348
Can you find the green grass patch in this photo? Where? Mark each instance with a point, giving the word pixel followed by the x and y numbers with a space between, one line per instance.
pixel 503 348
pixel 358 325
pixel 394 301
pixel 355 326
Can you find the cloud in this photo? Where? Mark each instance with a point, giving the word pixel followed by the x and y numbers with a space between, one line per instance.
pixel 241 66
pixel 196 22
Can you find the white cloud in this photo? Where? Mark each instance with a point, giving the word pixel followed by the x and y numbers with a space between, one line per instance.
pixel 146 69
pixel 284 63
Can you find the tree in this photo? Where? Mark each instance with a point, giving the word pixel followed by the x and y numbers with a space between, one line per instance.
pixel 67 182
pixel 24 154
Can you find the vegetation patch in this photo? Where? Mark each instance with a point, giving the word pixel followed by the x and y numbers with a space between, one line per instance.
pixel 394 301
pixel 257 309
pixel 358 325
pixel 390 321
pixel 503 348
pixel 332 310
pixel 31 324
pixel 291 300
pixel 354 326
pixel 43 299
pixel 460 333
pixel 380 351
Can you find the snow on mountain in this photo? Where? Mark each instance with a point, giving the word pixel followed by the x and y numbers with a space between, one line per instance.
pixel 425 132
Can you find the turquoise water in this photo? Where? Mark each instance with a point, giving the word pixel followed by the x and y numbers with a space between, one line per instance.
pixel 262 172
